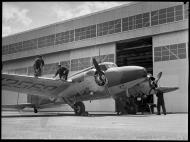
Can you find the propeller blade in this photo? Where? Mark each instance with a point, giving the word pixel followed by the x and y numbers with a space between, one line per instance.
pixel 158 77
pixel 95 63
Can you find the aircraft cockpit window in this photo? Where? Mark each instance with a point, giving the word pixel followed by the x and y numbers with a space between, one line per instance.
pixel 106 66
pixel 111 65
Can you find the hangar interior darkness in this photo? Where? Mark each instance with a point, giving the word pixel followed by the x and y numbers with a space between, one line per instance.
pixel 136 52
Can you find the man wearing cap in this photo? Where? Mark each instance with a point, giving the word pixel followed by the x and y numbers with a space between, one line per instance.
pixel 38 65
pixel 62 71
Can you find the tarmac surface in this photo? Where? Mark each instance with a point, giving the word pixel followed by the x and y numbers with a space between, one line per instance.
pixel 98 126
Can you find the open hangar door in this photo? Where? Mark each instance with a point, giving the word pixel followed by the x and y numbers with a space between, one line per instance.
pixel 136 52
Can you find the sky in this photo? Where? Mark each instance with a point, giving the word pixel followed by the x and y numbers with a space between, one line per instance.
pixel 22 16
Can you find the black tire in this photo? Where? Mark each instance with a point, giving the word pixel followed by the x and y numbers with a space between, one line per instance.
pixel 35 110
pixel 79 108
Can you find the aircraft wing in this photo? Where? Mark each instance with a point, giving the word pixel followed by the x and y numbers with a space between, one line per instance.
pixel 41 86
pixel 167 89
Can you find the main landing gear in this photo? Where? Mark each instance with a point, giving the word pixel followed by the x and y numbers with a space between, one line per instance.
pixel 35 110
pixel 79 109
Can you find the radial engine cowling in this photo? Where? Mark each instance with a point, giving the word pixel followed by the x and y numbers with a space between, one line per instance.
pixel 100 78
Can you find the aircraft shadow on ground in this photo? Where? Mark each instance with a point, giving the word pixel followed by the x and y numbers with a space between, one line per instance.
pixel 50 114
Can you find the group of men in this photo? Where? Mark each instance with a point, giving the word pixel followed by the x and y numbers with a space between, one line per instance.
pixel 38 68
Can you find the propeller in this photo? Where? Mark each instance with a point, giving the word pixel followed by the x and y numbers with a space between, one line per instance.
pixel 101 76
pixel 97 67
pixel 154 83
pixel 158 77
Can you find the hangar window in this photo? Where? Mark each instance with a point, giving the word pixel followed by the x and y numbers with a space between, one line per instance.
pixel 135 22
pixel 131 22
pixel 146 19
pixel 181 50
pixel 30 44
pixel 85 32
pixel 84 63
pixel 125 24
pixel 173 52
pixel 19 46
pixel 138 21
pixel 170 14
pixel 50 68
pixel 12 48
pixel 170 52
pixel 46 41
pixel 79 64
pixel 105 58
pixel 109 27
pixel 186 10
pixel 157 54
pixel 154 18
pixel 178 13
pixel 4 50
pixel 64 37
pixel 162 16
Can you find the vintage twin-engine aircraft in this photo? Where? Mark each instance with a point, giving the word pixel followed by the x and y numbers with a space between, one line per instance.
pixel 96 82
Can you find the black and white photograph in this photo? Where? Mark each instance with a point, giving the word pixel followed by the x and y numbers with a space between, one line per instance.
pixel 95 70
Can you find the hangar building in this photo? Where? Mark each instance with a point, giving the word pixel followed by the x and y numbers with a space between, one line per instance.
pixel 149 34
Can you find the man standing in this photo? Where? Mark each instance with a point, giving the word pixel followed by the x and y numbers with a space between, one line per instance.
pixel 160 102
pixel 62 71
pixel 38 65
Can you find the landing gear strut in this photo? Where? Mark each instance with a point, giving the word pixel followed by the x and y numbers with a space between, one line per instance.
pixel 79 109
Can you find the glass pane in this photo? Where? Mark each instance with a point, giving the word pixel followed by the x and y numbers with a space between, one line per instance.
pixel 157 49
pixel 157 53
pixel 156 59
pixel 173 57
pixel 165 58
pixel 165 53
pixel 182 56
pixel 170 19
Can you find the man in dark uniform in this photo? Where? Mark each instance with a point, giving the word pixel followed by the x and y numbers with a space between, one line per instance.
pixel 62 71
pixel 160 102
pixel 38 65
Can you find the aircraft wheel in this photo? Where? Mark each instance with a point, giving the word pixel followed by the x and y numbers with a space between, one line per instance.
pixel 35 110
pixel 79 108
